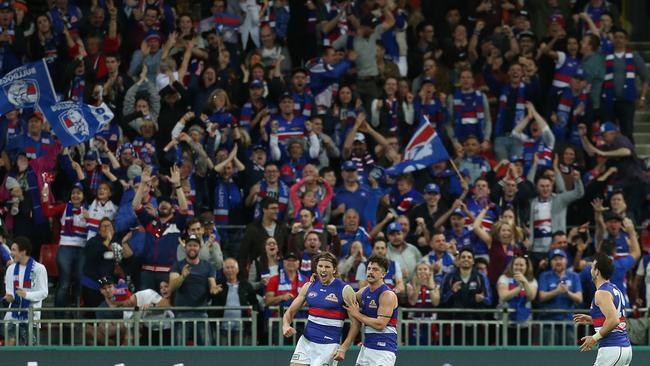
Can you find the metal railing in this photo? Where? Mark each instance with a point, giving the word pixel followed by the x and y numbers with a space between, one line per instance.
pixel 189 326
pixel 177 326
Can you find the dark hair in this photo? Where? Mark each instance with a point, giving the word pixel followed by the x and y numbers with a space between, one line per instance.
pixel 377 240
pixel 324 170
pixel 608 246
pixel 594 41
pixel 481 260
pixel 271 163
pixel 420 27
pixel 24 244
pixel 557 233
pixel 604 264
pixel 407 177
pixel 380 261
pixel 620 30
pixel 152 8
pixel 192 221
pixel 466 249
pixel 268 201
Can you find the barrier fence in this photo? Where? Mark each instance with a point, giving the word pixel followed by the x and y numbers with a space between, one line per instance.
pixel 196 327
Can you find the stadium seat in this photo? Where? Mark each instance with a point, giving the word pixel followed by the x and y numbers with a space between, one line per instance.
pixel 645 240
pixel 48 259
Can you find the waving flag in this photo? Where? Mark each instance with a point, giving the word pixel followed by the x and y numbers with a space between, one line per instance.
pixel 74 122
pixel 225 21
pixel 424 149
pixel 28 86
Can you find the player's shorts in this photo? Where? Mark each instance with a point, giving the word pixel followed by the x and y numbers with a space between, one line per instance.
pixel 316 354
pixel 375 357
pixel 614 356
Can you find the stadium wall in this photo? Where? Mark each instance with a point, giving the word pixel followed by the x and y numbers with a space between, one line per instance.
pixel 279 356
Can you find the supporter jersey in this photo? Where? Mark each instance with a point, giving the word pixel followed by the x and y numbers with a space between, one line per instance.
pixel 618 336
pixel 288 129
pixel 447 264
pixel 326 312
pixel 382 340
pixel 390 279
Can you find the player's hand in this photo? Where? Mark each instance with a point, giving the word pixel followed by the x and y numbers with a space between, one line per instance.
pixel 288 331
pixel 588 343
pixel 353 309
pixel 339 355
pixel 581 319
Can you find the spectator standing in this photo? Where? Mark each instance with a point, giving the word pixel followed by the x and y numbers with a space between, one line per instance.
pixel 517 288
pixel 406 254
pixel 622 67
pixel 194 282
pixel 236 293
pixel 25 286
pixel 561 289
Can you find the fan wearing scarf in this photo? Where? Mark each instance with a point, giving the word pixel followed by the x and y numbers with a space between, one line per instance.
pixel 73 236
pixel 25 286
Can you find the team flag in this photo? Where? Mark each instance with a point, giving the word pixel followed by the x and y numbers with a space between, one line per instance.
pixel 27 86
pixel 424 148
pixel 74 123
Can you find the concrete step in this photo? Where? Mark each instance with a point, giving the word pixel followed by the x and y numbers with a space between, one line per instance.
pixel 642 128
pixel 640 45
pixel 643 150
pixel 641 137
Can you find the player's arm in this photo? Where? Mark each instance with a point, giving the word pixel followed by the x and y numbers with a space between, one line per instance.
pixel 295 306
pixel 349 297
pixel 605 301
pixel 387 303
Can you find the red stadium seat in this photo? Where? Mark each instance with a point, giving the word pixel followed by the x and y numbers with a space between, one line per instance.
pixel 645 240
pixel 48 259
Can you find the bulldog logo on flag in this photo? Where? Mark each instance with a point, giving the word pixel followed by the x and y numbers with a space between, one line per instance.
pixel 22 93
pixel 75 124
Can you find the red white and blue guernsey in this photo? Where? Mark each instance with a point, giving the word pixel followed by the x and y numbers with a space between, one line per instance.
pixel 618 337
pixel 381 340
pixel 326 312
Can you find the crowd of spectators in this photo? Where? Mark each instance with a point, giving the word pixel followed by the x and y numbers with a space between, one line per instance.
pixel 282 115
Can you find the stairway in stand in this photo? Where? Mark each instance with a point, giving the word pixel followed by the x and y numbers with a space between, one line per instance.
pixel 642 116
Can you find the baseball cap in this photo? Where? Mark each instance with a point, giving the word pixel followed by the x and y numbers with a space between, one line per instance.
pixel 79 186
pixel 349 166
pixel 152 34
pixel 369 21
pixel 291 255
pixel 458 212
pixel 394 226
pixel 431 188
pixel 256 84
pixel 608 127
pixel 105 281
pixel 555 252
pixel 428 80
pixel 578 74
pixel 515 157
pixel 612 216
pixel 285 95
pixel 557 18
pixel 523 13
pixel 259 147
pixel 193 238
pixel 526 34
pixel 5 5
pixel 360 137
pixel 90 155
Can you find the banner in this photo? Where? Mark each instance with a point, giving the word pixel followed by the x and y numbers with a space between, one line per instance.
pixel 424 148
pixel 28 86
pixel 74 123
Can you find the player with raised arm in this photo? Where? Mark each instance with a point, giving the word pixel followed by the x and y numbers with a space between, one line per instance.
pixel 607 315
pixel 320 345
pixel 378 312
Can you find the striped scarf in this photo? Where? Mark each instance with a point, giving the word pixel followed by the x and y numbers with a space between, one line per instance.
pixel 69 228
pixel 434 110
pixel 520 109
pixel 469 114
pixel 567 103
pixel 285 286
pixel 226 196
pixel 33 190
pixel 629 89
pixel 19 302
pixel 282 196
